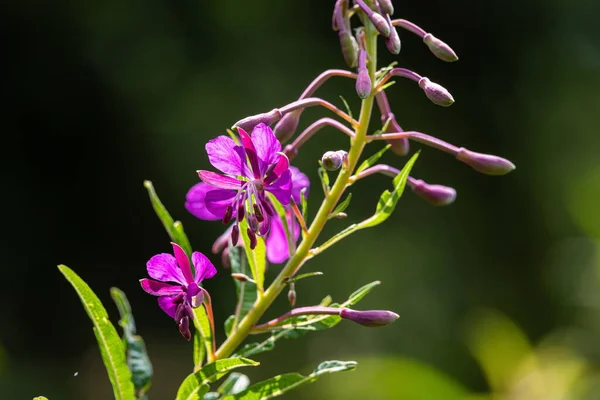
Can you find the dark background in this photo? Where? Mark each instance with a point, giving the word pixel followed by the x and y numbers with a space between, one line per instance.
pixel 99 96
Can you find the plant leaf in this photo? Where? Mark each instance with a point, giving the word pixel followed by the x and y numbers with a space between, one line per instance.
pixel 245 290
pixel 205 335
pixel 111 347
pixel 228 325
pixel 324 177
pixel 173 228
pixel 195 386
pixel 234 384
pixel 199 349
pixel 387 201
pixel 281 384
pixel 257 258
pixel 304 203
pixel 369 162
pixel 137 357
pixel 302 276
pixel 348 110
pixel 341 207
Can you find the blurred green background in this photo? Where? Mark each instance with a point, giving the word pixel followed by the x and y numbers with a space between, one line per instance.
pixel 498 293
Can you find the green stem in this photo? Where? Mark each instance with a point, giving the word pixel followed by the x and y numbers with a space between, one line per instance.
pixel 333 197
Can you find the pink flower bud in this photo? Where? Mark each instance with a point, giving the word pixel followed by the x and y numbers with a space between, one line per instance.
pixel 268 118
pixel 436 195
pixel 292 296
pixel 386 6
pixel 440 49
pixel 393 42
pixel 485 163
pixel 381 24
pixel 436 93
pixel 371 318
pixel 333 160
pixel 286 127
pixel 363 81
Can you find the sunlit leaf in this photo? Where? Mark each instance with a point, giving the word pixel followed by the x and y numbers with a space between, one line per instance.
pixel 111 346
pixel 257 258
pixel 369 162
pixel 228 325
pixel 341 207
pixel 204 334
pixel 281 384
pixel 304 203
pixel 196 385
pixel 234 384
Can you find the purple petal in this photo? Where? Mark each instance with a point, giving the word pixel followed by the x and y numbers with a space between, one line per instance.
pixel 204 268
pixel 156 288
pixel 168 305
pixel 277 245
pixel 282 187
pixel 206 202
pixel 222 155
pixel 183 261
pixel 218 180
pixel 299 182
pixel 282 165
pixel 251 153
pixel 267 145
pixel 163 267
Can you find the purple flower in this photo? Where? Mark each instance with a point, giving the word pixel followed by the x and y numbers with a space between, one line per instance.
pixel 251 169
pixel 177 289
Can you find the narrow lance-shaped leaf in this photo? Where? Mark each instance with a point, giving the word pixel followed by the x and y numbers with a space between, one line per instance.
pixel 282 384
pixel 324 177
pixel 302 276
pixel 109 342
pixel 205 335
pixel 257 258
pixel 173 228
pixel 369 162
pixel 304 204
pixel 234 384
pixel 387 201
pixel 137 357
pixel 196 385
pixel 341 207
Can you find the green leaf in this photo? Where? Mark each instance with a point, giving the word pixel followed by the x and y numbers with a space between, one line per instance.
pixel 304 203
pixel 358 294
pixel 387 201
pixel 369 162
pixel 173 228
pixel 205 334
pixel 195 386
pixel 234 384
pixel 199 348
pixel 137 357
pixel 302 276
pixel 251 349
pixel 341 207
pixel 228 325
pixel 109 342
pixel 246 291
pixel 324 177
pixel 211 396
pixel 348 110
pixel 281 384
pixel 257 258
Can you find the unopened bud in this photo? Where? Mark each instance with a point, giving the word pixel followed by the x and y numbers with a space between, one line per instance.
pixel 286 127
pixel 436 93
pixel 292 295
pixel 290 151
pixel 349 47
pixel 241 277
pixel 371 318
pixel 386 6
pixel 341 215
pixel 381 24
pixel 436 195
pixel 267 118
pixel 485 163
pixel 333 160
pixel 363 80
pixel 393 42
pixel 440 49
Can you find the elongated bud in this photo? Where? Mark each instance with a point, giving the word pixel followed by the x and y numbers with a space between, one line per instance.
pixel 440 49
pixel 349 47
pixel 339 14
pixel 333 160
pixel 371 318
pixel 393 42
pixel 286 127
pixel 235 234
pixel 377 19
pixel 485 163
pixel 386 7
pixel 241 277
pixel 436 93
pixel 436 195
pixel 292 295
pixel 363 81
pixel 252 237
pixel 267 118
pixel 341 215
pixel 184 328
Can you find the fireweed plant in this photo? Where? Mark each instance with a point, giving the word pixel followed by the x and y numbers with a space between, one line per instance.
pixel 261 201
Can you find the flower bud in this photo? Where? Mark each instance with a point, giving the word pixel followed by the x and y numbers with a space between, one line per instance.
pixel 363 81
pixel 333 160
pixel 241 277
pixel 436 93
pixel 286 127
pixel 485 163
pixel 371 318
pixel 381 24
pixel 290 152
pixel 393 42
pixel 292 296
pixel 439 49
pixel 349 47
pixel 267 118
pixel 436 195
pixel 386 6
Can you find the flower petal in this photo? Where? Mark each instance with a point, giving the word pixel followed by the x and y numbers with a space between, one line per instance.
pixel 299 182
pixel 251 153
pixel 206 202
pixel 222 155
pixel 163 267
pixel 168 305
pixel 282 165
pixel 157 288
pixel 183 261
pixel 204 268
pixel 219 181
pixel 277 245
pixel 282 187
pixel 266 143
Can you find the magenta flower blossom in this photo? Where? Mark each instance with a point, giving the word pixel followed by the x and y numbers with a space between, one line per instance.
pixel 251 169
pixel 178 290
